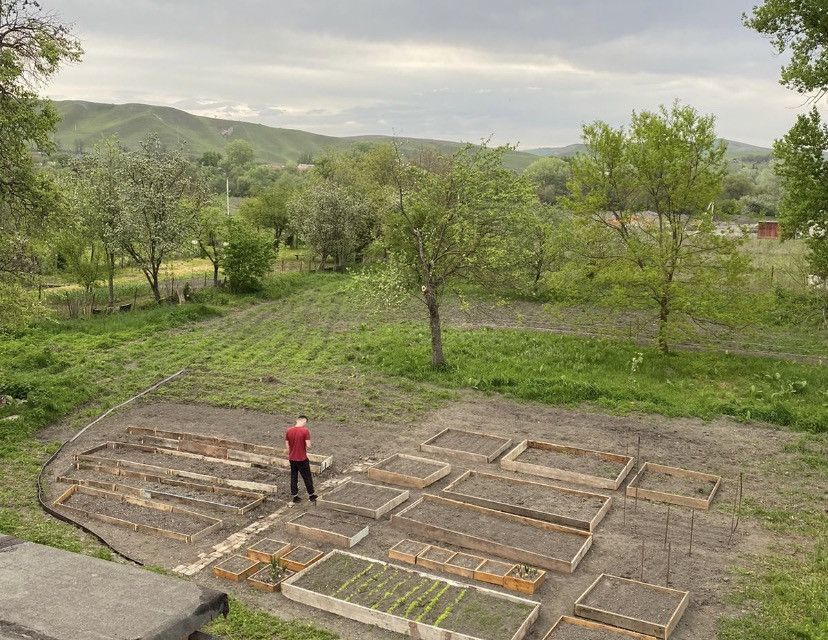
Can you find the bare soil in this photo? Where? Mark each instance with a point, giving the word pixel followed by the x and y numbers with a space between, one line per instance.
pixel 437 554
pixel 465 560
pixel 409 467
pixel 268 545
pixel 585 463
pixel 458 440
pixel 236 564
pixel 411 547
pixel 566 631
pixel 495 567
pixel 359 494
pixel 633 600
pixel 677 485
pixel 335 522
pixel 180 522
pixel 533 496
pixel 302 555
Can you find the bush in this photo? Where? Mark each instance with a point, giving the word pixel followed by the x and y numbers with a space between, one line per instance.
pixel 247 258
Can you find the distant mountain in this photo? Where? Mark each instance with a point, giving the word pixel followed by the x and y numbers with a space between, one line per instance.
pixel 84 123
pixel 735 151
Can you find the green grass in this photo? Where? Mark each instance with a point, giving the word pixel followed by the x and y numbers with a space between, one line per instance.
pixel 245 623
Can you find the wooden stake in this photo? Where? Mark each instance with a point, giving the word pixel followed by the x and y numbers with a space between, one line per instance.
pixel 667 525
pixel 641 577
pixel 637 464
pixel 692 519
pixel 625 509
pixel 669 550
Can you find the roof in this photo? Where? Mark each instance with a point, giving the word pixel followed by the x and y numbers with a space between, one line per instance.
pixel 50 594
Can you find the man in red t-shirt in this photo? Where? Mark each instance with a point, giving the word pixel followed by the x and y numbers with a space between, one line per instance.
pixel 297 443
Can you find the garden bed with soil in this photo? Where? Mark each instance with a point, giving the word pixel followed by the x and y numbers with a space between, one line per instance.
pixel 517 538
pixel 409 471
pixel 569 507
pixel 236 568
pixel 268 549
pixel 299 558
pixel 336 529
pixel 672 485
pixel 409 602
pixel 598 469
pixel 471 446
pixel 363 499
pixel 569 628
pixel 269 578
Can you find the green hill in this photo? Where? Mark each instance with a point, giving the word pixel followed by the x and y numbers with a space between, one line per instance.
pixel 84 123
pixel 735 151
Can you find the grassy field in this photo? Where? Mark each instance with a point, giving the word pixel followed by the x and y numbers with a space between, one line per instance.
pixel 311 332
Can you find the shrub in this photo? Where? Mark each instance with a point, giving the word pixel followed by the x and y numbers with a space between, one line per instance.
pixel 247 258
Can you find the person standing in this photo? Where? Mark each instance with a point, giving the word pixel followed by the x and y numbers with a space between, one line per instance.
pixel 297 443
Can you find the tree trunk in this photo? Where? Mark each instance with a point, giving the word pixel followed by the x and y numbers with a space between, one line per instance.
pixel 110 276
pixel 438 360
pixel 152 278
pixel 215 274
pixel 663 314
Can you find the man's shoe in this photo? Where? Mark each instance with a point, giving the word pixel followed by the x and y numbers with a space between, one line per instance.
pixel 296 499
pixel 312 497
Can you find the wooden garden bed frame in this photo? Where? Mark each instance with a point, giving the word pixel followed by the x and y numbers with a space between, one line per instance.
pixel 210 523
pixel 621 634
pixel 216 447
pixel 257 552
pixel 405 480
pixel 327 536
pixel 329 499
pixel 404 521
pixel 295 565
pixel 646 627
pixel 268 587
pixel 251 567
pixel 392 622
pixel 510 463
pixel 115 487
pixel 469 456
pixel 662 496
pixel 93 455
pixel 454 491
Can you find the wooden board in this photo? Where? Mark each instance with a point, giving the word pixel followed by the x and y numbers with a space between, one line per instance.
pixel 499 445
pixel 210 524
pixel 291 562
pixel 258 582
pixel 407 550
pixel 324 533
pixel 657 630
pixel 268 549
pixel 221 570
pixel 227 448
pixel 403 480
pixel 510 462
pixel 406 521
pixel 332 499
pixel 454 491
pixel 702 503
pixel 569 621
pixel 391 622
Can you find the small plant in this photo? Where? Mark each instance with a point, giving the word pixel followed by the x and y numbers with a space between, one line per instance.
pixel 447 611
pixel 432 602
pixel 277 571
pixel 636 362
pixel 525 572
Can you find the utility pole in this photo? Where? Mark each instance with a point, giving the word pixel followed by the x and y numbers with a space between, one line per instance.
pixel 227 191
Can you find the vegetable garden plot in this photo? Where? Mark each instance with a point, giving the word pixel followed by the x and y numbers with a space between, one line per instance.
pixel 267 550
pixel 299 558
pixel 629 604
pixel 683 487
pixel 236 568
pixel 409 471
pixel 217 447
pixel 517 538
pixel 409 602
pixel 166 462
pixel 569 628
pixel 138 514
pixel 336 529
pixel 363 499
pixel 572 464
pixel 471 446
pixel 269 578
pixel 569 507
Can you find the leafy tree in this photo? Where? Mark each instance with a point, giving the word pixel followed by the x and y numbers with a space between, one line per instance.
pixel 162 194
pixel 210 159
pixel 449 222
pixel 269 208
pixel 239 154
pixel 247 257
pixel 646 194
pixel 549 175
pixel 211 235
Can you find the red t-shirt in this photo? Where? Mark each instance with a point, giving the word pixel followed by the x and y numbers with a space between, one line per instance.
pixel 296 438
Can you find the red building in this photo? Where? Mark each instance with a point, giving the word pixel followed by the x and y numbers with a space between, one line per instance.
pixel 767 230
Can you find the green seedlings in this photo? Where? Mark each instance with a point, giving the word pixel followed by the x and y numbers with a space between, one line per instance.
pixel 525 572
pixel 388 594
pixel 416 602
pixel 373 577
pixel 353 579
pixel 432 603
pixel 447 611
pixel 406 596
pixel 277 571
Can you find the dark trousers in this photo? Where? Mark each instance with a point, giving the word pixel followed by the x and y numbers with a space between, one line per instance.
pixel 296 468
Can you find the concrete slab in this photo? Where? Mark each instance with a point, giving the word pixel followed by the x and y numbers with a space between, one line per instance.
pixel 49 594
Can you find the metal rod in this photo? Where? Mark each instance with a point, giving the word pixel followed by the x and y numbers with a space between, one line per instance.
pixel 692 519
pixel 667 525
pixel 669 550
pixel 641 577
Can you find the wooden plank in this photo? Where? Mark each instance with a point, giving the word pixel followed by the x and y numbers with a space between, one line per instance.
pixel 255 580
pixel 329 499
pixel 325 535
pixel 510 462
pixel 493 572
pixel 393 622
pixel 671 498
pixel 268 549
pixel 403 520
pixel 250 567
pixel 454 491
pixel 565 621
pixel 298 565
pixel 404 480
pixel 397 552
pixel 430 446
pixel 434 558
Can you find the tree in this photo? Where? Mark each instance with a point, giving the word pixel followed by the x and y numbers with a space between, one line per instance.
pixel 247 257
pixel 549 175
pixel 210 159
pixel 448 223
pixel 269 208
pixel 162 194
pixel 33 45
pixel 646 193
pixel 211 235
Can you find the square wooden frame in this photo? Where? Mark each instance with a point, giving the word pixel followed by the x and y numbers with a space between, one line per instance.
pixel 622 634
pixel 295 565
pixel 267 587
pixel 252 567
pixel 328 499
pixel 404 480
pixel 327 536
pixel 672 498
pixel 470 456
pixel 510 463
pixel 409 558
pixel 255 552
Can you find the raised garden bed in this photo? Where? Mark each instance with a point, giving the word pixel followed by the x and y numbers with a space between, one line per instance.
pixel 569 507
pixel 407 550
pixel 629 604
pixel 524 579
pixel 517 538
pixel 138 514
pixel 363 499
pixel 236 568
pixel 159 488
pixel 300 558
pixel 463 564
pixel 269 578
pixel 409 471
pixel 337 529
pixel 572 464
pixel 470 446
pixel 493 572
pixel 165 462
pixel 434 558
pixel 218 447
pixel 569 628
pixel 409 602
pixel 672 485
pixel 268 550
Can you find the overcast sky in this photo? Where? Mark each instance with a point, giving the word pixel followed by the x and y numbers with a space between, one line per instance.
pixel 523 71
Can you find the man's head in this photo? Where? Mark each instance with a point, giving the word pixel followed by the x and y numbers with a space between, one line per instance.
pixel 301 421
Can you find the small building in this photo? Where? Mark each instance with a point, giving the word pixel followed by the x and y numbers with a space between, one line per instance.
pixel 767 230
